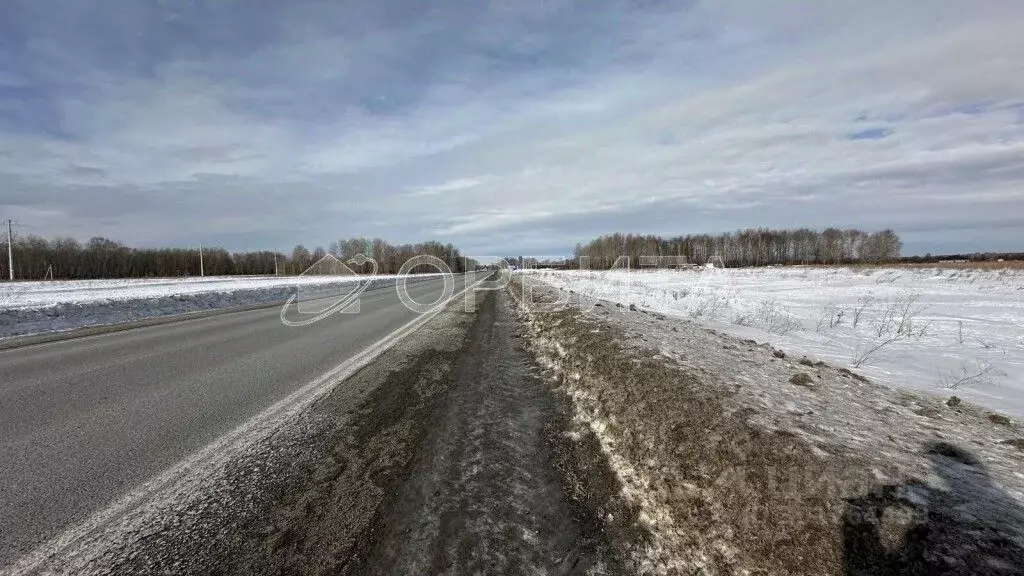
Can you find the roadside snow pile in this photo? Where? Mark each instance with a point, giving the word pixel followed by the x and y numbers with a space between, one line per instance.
pixel 32 307
pixel 741 459
pixel 937 330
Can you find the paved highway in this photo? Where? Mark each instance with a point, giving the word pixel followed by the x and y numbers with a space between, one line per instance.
pixel 85 420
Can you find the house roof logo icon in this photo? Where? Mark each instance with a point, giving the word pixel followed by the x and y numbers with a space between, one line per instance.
pixel 327 287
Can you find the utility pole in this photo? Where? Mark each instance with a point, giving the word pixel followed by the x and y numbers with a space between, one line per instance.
pixel 10 248
pixel 201 273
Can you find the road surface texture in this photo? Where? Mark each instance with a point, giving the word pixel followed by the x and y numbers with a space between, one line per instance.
pixel 447 454
pixel 84 420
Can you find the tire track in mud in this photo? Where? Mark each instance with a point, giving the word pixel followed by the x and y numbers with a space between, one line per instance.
pixel 486 494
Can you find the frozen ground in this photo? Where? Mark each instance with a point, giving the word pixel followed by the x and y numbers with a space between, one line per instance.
pixel 31 307
pixel 943 331
pixel 739 461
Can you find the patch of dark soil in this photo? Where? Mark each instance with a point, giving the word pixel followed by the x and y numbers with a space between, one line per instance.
pixel 852 374
pixel 496 487
pixel 328 517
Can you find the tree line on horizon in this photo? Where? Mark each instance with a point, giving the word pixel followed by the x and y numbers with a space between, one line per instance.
pixel 37 258
pixel 750 247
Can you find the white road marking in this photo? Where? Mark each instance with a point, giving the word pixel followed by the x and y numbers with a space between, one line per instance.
pixel 82 544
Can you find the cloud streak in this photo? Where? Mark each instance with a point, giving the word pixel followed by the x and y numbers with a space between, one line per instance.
pixel 508 127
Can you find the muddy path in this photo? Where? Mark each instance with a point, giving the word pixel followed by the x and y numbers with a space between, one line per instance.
pixel 485 494
pixel 450 454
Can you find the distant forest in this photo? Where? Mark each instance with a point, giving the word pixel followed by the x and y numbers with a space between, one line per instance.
pixel 37 258
pixel 751 247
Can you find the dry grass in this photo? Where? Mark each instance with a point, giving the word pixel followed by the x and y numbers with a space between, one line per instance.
pixel 987 265
pixel 1007 265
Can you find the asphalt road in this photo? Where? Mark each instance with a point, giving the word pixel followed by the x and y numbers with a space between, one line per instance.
pixel 83 421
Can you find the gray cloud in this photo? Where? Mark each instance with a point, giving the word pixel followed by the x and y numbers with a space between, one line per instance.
pixel 511 126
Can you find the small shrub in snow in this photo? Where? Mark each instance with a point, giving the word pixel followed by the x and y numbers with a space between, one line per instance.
pixel 806 362
pixel 999 419
pixel 969 373
pixel 743 320
pixel 776 319
pixel 863 353
pixel 906 314
pixel 709 304
pixel 986 344
pixel 898 321
pixel 863 303
pixel 801 379
pixel 953 402
pixel 831 317
pixel 779 354
pixel 900 316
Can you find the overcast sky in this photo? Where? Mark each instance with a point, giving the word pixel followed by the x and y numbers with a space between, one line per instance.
pixel 520 126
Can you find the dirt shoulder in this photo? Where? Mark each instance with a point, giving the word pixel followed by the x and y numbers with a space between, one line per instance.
pixel 486 491
pixel 740 466
pixel 304 500
pixel 449 454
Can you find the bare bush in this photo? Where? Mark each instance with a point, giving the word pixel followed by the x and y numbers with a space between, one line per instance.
pixel 831 317
pixel 974 373
pixel 907 312
pixel 862 355
pixel 863 303
pixel 9 296
pixel 900 316
pixel 776 319
pixel 884 322
pixel 679 294
pixel 899 320
pixel 709 304
pixel 743 320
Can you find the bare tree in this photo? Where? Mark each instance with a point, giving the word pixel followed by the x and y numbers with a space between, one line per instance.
pixel 750 247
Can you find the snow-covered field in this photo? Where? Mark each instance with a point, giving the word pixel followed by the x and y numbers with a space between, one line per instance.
pixel 944 331
pixel 54 293
pixel 30 307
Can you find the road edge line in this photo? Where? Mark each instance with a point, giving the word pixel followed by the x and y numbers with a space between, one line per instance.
pixel 187 471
